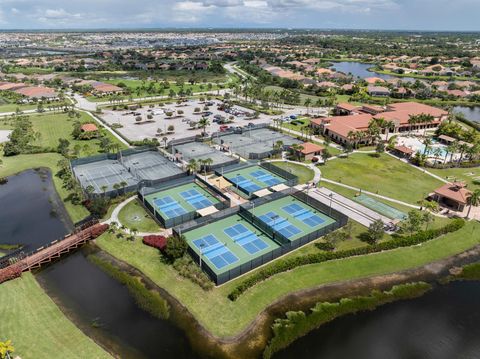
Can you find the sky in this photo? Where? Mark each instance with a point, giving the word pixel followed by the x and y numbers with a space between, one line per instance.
pixel 323 14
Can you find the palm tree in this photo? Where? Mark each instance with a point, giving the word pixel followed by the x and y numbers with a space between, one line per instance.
pixel 116 187
pixel 207 162
pixel 89 189
pixel 203 123
pixel 389 125
pixel 104 189
pixel 296 148
pixel 123 184
pixel 473 200
pixel 412 121
pixel 427 142
pixel 192 166
pixel 352 137
pixel 308 103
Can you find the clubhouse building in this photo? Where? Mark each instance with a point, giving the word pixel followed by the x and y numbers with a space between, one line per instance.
pixel 357 118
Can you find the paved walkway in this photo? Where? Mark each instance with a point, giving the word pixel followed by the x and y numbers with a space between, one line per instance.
pixel 371 193
pixel 114 218
pixel 351 209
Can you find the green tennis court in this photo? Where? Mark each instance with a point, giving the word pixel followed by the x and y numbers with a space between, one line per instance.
pixel 229 243
pixel 380 207
pixel 177 201
pixel 252 179
pixel 291 217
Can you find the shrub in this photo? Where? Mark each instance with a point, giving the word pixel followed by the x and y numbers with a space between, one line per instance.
pixel 159 242
pixel 176 247
pixel 291 263
pixel 190 270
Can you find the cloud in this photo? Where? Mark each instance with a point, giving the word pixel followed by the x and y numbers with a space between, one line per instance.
pixel 414 14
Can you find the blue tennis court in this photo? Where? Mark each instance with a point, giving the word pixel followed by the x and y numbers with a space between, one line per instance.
pixel 246 238
pixel 265 177
pixel 303 214
pixel 244 184
pixel 168 206
pixel 280 224
pixel 215 251
pixel 196 199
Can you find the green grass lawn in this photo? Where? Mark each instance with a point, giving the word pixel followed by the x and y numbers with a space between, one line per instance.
pixel 384 175
pixel 303 173
pixel 133 215
pixel 438 221
pixel 52 127
pixel 225 318
pixel 466 175
pixel 37 327
pixel 12 107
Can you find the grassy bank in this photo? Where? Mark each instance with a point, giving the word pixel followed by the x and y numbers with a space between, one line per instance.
pixel 303 173
pixel 384 175
pixel 146 299
pixel 298 324
pixel 37 328
pixel 225 318
pixel 134 216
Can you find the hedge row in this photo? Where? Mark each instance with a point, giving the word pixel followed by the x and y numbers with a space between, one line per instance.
pixel 297 324
pixel 291 263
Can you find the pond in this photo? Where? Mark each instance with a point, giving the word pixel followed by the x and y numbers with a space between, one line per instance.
pixel 360 69
pixel 31 212
pixel 102 307
pixel 443 324
pixel 471 113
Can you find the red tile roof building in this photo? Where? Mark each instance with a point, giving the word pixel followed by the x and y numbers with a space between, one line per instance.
pixel 338 127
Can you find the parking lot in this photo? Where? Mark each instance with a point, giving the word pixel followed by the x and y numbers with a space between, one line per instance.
pixel 183 118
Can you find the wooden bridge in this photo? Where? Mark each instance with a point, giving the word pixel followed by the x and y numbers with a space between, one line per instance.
pixel 15 266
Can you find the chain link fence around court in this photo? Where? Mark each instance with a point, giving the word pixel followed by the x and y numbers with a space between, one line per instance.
pixel 224 201
pixel 201 151
pixel 254 142
pixel 286 245
pixel 123 172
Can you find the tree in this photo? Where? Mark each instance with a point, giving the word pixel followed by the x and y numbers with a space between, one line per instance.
pixel 203 123
pixel 176 247
pixel 427 218
pixel 375 231
pixel 192 166
pixel 123 184
pixel 171 128
pixel 413 222
pixel 326 155
pixel 63 146
pixel 473 200
pixel 380 148
pixel 6 348
pixel 207 162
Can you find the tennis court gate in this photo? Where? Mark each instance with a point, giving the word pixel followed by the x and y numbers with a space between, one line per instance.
pixel 186 217
pixel 285 244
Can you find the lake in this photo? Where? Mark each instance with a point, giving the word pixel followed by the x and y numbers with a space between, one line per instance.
pixel 443 324
pixel 100 306
pixel 31 212
pixel 471 113
pixel 360 69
